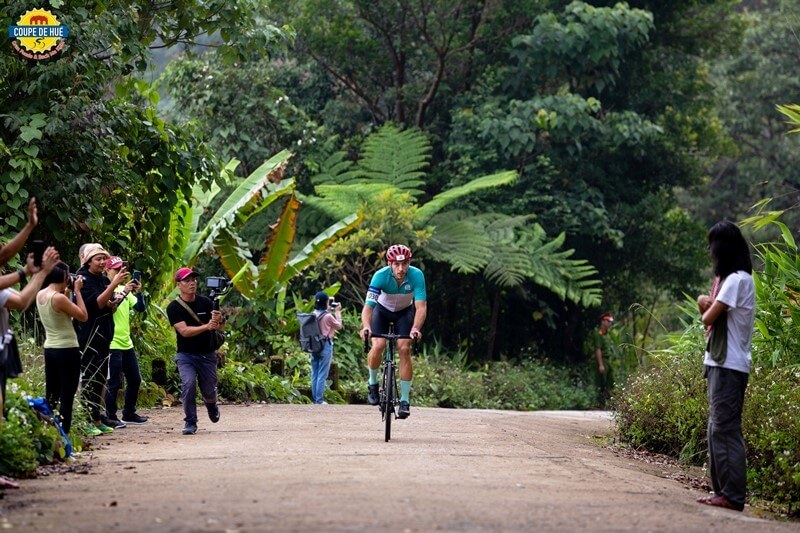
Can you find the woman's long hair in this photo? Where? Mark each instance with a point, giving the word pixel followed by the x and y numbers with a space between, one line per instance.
pixel 729 250
pixel 59 274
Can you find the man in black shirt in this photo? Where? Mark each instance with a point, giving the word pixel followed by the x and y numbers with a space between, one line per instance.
pixel 194 319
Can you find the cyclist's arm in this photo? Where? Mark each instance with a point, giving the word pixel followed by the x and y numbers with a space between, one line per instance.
pixel 420 314
pixel 366 316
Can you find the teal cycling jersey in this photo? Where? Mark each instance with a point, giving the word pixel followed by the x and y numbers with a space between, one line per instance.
pixel 384 289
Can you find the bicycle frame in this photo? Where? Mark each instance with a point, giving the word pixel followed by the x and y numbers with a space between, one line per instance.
pixel 389 399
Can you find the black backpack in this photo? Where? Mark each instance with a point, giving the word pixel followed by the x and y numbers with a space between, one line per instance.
pixel 311 338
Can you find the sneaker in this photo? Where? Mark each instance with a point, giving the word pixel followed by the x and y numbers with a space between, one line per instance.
pixel 213 412
pixel 373 398
pixel 114 423
pixel 134 419
pixel 404 411
pixel 92 431
pixel 104 428
pixel 190 428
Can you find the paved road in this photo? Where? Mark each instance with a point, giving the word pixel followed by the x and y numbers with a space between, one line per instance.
pixel 327 468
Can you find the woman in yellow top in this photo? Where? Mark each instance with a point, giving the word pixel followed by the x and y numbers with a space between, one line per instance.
pixel 62 356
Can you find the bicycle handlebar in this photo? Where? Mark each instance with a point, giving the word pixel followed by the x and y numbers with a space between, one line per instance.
pixel 391 336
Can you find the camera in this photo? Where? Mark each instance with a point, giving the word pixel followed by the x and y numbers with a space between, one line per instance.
pixel 71 279
pixel 217 283
pixel 126 264
pixel 333 303
pixel 217 286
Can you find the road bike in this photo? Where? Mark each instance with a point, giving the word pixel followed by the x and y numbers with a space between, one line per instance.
pixel 389 400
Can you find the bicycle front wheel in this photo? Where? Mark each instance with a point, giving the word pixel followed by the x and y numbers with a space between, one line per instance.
pixel 388 387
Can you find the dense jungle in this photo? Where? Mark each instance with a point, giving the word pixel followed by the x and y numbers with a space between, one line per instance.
pixel 547 162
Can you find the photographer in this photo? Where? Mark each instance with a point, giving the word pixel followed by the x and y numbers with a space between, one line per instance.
pixel 194 318
pixel 122 357
pixel 329 316
pixel 96 333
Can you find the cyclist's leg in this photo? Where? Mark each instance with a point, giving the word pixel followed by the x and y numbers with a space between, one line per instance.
pixel 381 318
pixel 404 323
pixel 374 359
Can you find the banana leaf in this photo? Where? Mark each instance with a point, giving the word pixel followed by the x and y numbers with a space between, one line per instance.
pixel 245 201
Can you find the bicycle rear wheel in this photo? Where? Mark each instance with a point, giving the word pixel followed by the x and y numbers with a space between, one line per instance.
pixel 388 387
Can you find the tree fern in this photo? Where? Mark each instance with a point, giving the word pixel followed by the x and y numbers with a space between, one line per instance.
pixel 396 157
pixel 337 169
pixel 457 240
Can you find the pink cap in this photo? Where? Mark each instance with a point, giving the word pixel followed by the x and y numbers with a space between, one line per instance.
pixel 114 262
pixel 184 273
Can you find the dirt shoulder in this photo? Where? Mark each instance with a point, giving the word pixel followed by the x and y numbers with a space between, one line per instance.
pixel 327 468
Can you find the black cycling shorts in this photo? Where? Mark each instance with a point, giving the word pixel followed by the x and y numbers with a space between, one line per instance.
pixel 403 320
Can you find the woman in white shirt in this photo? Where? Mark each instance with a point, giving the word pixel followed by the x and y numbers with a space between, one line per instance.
pixel 729 313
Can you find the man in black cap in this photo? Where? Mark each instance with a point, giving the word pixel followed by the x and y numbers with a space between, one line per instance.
pixel 329 317
pixel 194 319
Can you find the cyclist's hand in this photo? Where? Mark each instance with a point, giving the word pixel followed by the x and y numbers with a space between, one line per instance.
pixel 364 334
pixel 416 334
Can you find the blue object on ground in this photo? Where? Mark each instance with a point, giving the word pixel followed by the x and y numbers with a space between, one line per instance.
pixel 40 406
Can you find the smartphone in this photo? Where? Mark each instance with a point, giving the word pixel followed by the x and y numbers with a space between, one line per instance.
pixel 137 276
pixel 125 264
pixel 38 252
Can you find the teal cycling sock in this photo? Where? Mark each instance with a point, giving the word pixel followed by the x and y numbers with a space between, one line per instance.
pixel 405 389
pixel 373 376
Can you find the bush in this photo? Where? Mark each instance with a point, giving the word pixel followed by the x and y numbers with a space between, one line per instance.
pixel 442 381
pixel 665 409
pixel 26 442
pixel 536 384
pixel 244 382
pixel 771 423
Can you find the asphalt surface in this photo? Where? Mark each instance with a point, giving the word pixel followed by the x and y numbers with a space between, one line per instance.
pixel 327 468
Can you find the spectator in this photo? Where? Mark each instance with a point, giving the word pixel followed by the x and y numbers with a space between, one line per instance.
pixel 601 345
pixel 122 356
pixel 330 320
pixel 10 366
pixel 96 333
pixel 194 318
pixel 62 356
pixel 729 313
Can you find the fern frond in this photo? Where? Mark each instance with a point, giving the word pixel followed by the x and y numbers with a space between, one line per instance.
pixel 460 243
pixel 508 266
pixel 441 200
pixel 337 169
pixel 396 157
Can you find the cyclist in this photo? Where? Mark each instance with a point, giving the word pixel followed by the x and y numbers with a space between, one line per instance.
pixel 396 295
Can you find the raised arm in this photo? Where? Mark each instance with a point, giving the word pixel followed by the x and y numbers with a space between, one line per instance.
pixel 13 246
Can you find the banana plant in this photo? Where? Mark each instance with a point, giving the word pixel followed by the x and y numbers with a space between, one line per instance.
pixel 264 187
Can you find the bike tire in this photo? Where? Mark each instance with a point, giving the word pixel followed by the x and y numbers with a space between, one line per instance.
pixel 390 393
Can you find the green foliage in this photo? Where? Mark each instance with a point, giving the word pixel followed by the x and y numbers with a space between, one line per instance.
pixel 440 381
pixel 239 108
pixel 587 48
pixel 26 442
pixel 763 160
pixel 771 423
pixel 499 246
pixel 664 408
pixel 537 384
pixel 81 132
pixel 243 382
pixel 778 297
